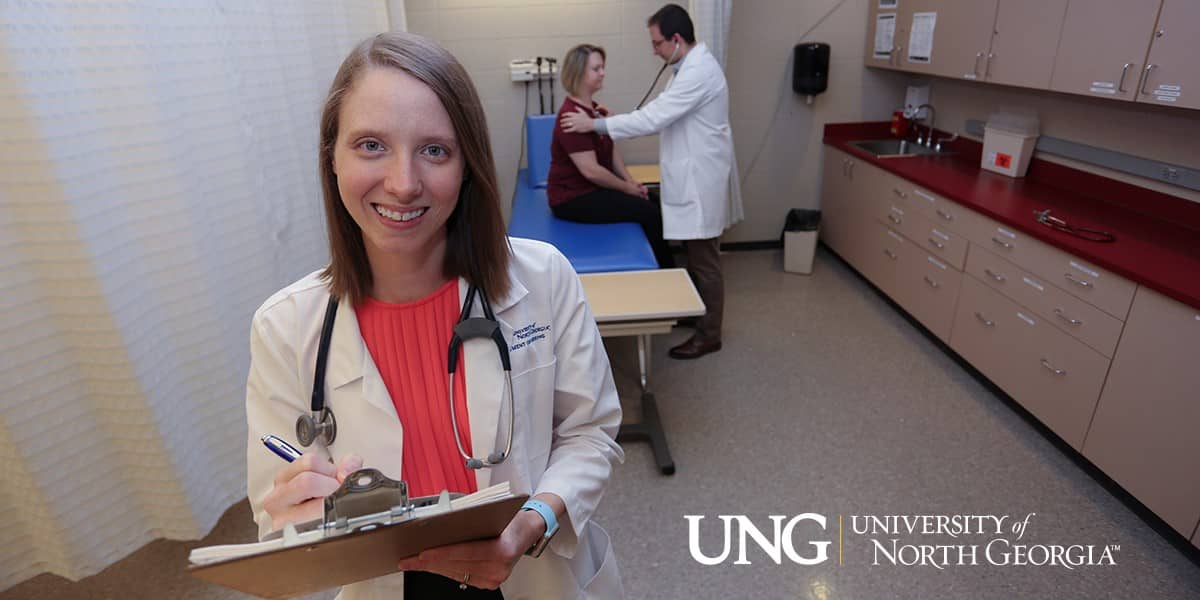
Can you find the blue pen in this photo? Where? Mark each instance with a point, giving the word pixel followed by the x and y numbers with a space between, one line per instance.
pixel 281 448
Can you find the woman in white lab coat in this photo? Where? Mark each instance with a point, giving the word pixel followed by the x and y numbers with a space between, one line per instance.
pixel 413 213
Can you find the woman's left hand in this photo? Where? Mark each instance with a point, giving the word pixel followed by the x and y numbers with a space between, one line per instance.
pixel 483 564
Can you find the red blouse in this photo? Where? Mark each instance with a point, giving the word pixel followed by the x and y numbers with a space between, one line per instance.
pixel 408 343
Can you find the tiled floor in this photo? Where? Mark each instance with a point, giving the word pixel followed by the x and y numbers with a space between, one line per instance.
pixel 825 400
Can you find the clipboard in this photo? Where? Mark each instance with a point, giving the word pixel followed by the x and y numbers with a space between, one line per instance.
pixel 369 525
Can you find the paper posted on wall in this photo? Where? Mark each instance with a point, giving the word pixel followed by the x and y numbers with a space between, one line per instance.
pixel 885 34
pixel 920 37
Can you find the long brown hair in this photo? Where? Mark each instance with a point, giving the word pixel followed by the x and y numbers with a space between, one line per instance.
pixel 476 245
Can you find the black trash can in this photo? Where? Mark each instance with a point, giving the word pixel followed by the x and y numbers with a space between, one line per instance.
pixel 800 240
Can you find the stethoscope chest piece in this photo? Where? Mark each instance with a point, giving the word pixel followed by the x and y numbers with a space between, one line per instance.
pixel 319 425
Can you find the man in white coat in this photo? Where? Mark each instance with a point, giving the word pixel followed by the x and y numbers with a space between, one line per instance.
pixel 700 191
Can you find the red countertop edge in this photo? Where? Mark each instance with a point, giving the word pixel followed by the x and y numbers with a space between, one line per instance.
pixel 1158 235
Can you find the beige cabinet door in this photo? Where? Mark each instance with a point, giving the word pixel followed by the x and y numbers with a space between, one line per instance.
pixel 1024 42
pixel 838 216
pixel 1144 431
pixel 1172 76
pixel 961 37
pixel 1103 47
pixel 883 36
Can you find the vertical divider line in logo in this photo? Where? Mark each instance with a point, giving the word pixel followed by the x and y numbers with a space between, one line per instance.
pixel 839 540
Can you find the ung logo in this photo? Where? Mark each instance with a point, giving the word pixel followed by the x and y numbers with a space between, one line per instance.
pixel 781 543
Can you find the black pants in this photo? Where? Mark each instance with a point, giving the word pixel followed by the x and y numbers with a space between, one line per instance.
pixel 420 585
pixel 610 206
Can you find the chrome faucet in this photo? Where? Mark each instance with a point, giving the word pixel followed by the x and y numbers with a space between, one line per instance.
pixel 928 141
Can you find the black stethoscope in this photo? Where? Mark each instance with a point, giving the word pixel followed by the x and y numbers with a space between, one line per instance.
pixel 321 424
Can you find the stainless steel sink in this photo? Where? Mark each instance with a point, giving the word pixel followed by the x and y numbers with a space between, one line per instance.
pixel 890 148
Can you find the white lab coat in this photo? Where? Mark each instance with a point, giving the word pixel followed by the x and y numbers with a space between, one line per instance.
pixel 701 194
pixel 567 412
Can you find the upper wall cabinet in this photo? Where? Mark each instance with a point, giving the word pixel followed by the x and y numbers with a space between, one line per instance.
pixel 1103 47
pixel 1024 42
pixel 1171 76
pixel 946 37
pixel 1132 50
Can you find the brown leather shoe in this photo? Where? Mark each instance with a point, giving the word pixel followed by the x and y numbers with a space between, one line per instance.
pixel 694 348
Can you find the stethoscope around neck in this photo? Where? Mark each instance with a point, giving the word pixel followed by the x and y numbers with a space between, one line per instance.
pixel 320 425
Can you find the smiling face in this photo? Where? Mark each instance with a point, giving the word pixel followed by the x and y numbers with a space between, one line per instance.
pixel 399 168
pixel 593 73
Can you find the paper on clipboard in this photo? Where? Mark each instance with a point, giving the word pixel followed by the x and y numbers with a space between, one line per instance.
pixel 920 37
pixel 345 547
pixel 885 34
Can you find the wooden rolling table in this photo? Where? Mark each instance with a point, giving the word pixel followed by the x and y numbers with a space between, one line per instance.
pixel 642 304
pixel 644 174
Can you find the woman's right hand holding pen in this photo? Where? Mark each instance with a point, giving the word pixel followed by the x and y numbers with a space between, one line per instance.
pixel 300 488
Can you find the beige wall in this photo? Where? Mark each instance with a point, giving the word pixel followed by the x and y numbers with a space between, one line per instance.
pixel 768 119
pixel 486 34
pixel 777 135
pixel 1171 135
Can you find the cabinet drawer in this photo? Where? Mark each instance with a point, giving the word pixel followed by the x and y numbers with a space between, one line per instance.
pixel 927 288
pixel 1055 377
pixel 937 240
pixel 1088 324
pixel 948 214
pixel 1102 289
pixel 882 255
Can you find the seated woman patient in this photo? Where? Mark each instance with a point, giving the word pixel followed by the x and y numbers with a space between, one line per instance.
pixel 588 181
pixel 417 245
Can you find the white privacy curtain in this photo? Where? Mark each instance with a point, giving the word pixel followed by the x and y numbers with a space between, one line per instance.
pixel 712 18
pixel 157 182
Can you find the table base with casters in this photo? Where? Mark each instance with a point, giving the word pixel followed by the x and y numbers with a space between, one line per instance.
pixel 643 304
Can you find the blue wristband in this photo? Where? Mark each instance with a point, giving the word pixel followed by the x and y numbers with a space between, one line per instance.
pixel 547 515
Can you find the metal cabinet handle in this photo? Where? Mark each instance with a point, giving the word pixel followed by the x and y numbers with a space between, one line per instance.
pixel 1076 281
pixel 975 67
pixel 1068 320
pixel 899 193
pixel 998 277
pixel 896 55
pixel 933 284
pixel 851 170
pixel 943 214
pixel 1002 243
pixel 1052 368
pixel 1121 83
pixel 890 254
pixel 1146 78
pixel 937 244
pixel 982 319
pixel 987 66
pixel 894 218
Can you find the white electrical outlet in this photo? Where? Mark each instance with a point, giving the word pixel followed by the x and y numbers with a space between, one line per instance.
pixel 525 69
